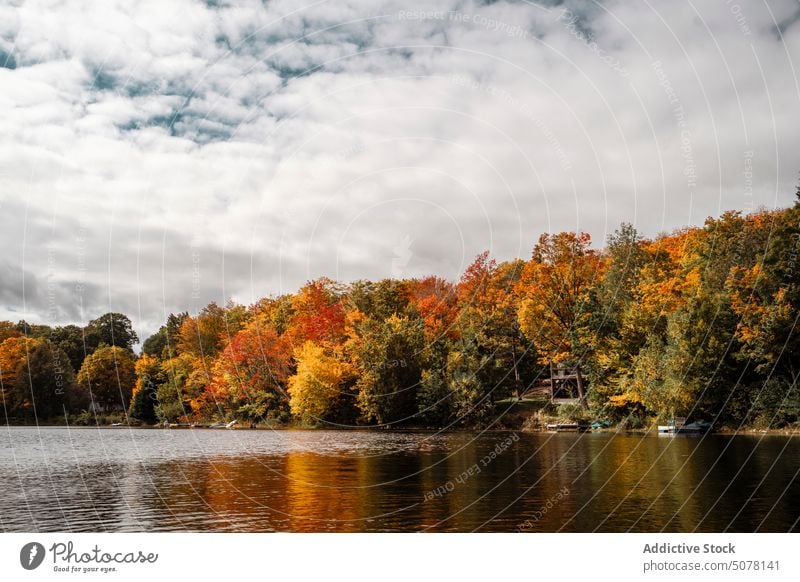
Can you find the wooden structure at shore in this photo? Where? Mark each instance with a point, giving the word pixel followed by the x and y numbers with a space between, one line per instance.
pixel 566 385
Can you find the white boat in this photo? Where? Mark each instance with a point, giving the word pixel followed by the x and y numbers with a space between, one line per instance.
pixel 679 425
pixel 222 425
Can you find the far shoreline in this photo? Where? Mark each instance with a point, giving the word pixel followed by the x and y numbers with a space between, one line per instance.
pixel 722 431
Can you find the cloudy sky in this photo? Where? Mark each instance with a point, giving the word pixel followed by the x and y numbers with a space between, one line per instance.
pixel 158 155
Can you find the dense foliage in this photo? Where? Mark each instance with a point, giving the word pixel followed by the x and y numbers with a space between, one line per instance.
pixel 700 322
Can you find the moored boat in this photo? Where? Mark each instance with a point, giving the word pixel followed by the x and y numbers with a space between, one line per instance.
pixel 680 426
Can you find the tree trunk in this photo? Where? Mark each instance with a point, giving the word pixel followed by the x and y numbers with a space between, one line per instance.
pixel 581 395
pixel 516 370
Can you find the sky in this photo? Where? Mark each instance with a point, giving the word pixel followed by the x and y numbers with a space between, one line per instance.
pixel 158 155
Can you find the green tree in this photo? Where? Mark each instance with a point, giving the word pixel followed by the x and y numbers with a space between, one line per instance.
pixel 184 380
pixel 468 380
pixel 386 358
pixel 32 330
pixel 111 329
pixel 614 332
pixel 163 343
pixel 70 338
pixel 486 356
pixel 378 300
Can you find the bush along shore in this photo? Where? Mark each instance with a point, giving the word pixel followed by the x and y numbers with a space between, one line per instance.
pixel 697 323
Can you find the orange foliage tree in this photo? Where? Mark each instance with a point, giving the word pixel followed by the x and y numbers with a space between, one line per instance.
pixel 249 377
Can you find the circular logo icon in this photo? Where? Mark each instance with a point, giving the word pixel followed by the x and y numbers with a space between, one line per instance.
pixel 31 555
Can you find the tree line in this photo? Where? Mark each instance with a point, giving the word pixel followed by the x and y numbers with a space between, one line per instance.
pixel 699 322
pixel 48 372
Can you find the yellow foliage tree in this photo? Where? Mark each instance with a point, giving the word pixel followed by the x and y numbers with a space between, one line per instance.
pixel 109 375
pixel 553 286
pixel 12 353
pixel 316 386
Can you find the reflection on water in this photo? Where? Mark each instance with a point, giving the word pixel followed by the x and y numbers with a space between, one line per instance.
pixel 59 479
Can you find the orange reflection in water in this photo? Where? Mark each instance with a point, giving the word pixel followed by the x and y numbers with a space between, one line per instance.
pixel 323 493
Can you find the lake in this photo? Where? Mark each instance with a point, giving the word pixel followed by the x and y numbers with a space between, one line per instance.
pixel 96 480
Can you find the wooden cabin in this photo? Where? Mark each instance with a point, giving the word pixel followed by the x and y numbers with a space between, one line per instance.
pixel 566 385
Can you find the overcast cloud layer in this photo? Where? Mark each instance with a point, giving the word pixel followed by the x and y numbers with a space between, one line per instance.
pixel 155 156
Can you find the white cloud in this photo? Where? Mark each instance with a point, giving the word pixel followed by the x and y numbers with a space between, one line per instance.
pixel 284 142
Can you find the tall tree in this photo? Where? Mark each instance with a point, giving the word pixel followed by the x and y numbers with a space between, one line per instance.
pixel 182 393
pixel 163 344
pixel 386 358
pixel 613 332
pixel 436 302
pixel 489 358
pixel 112 329
pixel 554 290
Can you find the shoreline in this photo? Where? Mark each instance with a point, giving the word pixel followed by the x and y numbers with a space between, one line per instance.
pixel 723 431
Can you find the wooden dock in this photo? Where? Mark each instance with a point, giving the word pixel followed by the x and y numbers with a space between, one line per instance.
pixel 567 427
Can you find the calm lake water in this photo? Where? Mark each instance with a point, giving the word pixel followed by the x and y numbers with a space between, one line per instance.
pixel 84 479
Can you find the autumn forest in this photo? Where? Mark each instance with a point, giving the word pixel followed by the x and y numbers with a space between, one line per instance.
pixel 700 322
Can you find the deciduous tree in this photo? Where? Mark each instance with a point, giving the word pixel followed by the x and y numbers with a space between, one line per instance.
pixel 112 329
pixel 149 375
pixel 108 375
pixel 554 291
pixel 250 375
pixel 44 382
pixel 315 389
